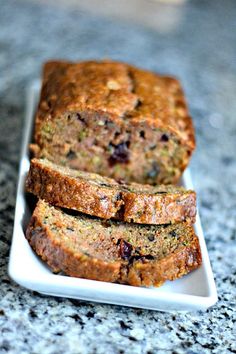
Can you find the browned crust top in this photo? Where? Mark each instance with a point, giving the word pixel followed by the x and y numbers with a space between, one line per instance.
pixel 120 90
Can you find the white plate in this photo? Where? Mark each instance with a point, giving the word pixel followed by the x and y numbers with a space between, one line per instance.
pixel 195 291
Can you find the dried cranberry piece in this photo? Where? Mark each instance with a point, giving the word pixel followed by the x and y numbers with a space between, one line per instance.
pixel 120 154
pixel 164 138
pixel 79 117
pixel 116 134
pixel 125 249
pixel 142 134
pixel 148 256
pixel 71 155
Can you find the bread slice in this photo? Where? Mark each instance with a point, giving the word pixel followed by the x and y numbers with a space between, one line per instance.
pixel 114 119
pixel 113 251
pixel 104 197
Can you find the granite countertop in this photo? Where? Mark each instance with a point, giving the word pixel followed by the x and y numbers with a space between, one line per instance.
pixel 197 43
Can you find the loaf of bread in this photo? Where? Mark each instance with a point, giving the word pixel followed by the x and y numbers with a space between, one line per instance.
pixel 113 119
pixel 105 250
pixel 104 197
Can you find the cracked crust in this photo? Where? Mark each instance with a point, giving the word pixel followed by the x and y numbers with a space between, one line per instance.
pixel 105 116
pixel 86 247
pixel 104 197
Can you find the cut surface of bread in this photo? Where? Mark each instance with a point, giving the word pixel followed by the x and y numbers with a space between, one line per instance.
pixel 104 197
pixel 114 119
pixel 113 251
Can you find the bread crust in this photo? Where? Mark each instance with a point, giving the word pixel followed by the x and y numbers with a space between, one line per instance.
pixel 104 197
pixel 174 266
pixel 87 85
pixel 140 272
pixel 125 116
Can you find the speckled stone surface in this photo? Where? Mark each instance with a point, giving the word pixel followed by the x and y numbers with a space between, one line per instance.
pixel 201 50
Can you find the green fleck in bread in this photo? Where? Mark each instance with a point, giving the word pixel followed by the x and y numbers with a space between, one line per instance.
pixel 104 197
pixel 114 119
pixel 87 247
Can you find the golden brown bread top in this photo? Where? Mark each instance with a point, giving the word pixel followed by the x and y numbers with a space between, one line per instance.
pixel 120 90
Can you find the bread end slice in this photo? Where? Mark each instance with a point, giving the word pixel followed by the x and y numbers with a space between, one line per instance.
pixel 112 251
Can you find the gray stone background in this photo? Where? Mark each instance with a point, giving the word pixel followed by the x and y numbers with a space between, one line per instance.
pixel 195 41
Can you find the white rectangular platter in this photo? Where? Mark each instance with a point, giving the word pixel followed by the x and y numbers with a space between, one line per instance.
pixel 195 291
